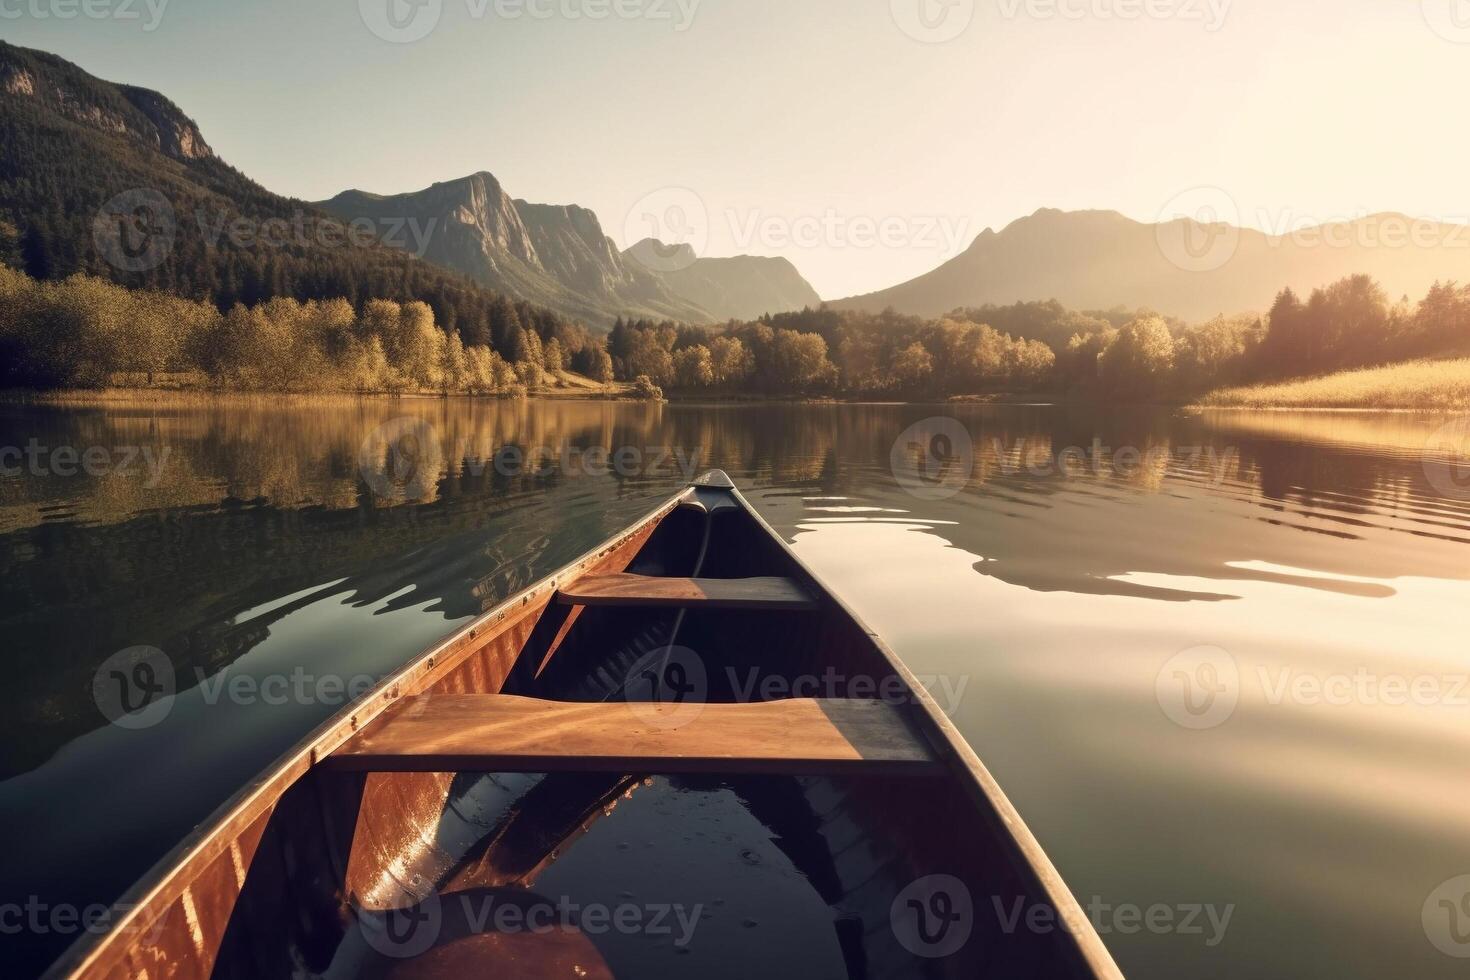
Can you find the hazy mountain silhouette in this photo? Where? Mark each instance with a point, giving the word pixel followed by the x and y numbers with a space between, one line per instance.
pixel 741 287
pixel 1101 259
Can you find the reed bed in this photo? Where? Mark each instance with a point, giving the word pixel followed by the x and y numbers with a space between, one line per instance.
pixel 1423 385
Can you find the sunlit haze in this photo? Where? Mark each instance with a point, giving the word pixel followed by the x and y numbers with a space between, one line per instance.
pixel 811 129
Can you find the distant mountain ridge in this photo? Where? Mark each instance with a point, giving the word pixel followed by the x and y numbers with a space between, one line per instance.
pixel 740 287
pixel 559 256
pixel 1102 259
pixel 73 146
pixel 556 256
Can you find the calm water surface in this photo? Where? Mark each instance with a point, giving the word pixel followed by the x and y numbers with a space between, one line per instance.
pixel 1187 665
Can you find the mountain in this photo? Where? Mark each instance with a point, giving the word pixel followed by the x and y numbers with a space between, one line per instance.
pixel 116 181
pixel 1101 259
pixel 742 287
pixel 554 255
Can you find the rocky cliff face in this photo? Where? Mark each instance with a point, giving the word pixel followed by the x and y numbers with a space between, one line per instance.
pixel 173 132
pixel 571 246
pixel 555 255
pixel 123 110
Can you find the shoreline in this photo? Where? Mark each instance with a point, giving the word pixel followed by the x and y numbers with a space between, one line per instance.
pixel 133 397
pixel 618 392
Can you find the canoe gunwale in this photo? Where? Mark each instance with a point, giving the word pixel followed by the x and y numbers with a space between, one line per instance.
pixel 170 876
pixel 982 786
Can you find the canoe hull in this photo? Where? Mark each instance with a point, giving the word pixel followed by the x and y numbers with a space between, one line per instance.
pixel 293 876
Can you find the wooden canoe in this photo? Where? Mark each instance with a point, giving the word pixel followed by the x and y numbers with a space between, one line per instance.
pixel 695 648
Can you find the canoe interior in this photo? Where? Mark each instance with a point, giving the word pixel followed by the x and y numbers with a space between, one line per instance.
pixel 791 875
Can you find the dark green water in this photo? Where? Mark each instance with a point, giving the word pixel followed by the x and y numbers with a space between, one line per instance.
pixel 1223 674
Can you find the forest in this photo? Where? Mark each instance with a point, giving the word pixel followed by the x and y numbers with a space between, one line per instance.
pixel 87 332
pixel 84 332
pixel 1115 355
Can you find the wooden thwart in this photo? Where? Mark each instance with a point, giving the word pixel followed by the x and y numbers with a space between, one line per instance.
pixel 502 733
pixel 647 591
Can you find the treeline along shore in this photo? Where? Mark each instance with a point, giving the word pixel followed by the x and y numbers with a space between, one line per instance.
pixel 83 332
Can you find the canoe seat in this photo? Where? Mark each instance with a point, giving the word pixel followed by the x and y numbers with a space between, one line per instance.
pixel 504 733
pixel 650 591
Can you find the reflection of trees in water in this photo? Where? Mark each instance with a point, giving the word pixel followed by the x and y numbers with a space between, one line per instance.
pixel 264 501
pixel 1269 500
pixel 259 504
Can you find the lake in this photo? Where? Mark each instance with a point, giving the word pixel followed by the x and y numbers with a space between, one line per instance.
pixel 1218 661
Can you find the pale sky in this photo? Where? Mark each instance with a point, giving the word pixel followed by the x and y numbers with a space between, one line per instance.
pixel 804 128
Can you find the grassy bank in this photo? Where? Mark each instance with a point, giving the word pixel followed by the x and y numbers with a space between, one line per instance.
pixel 187 390
pixel 1427 385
